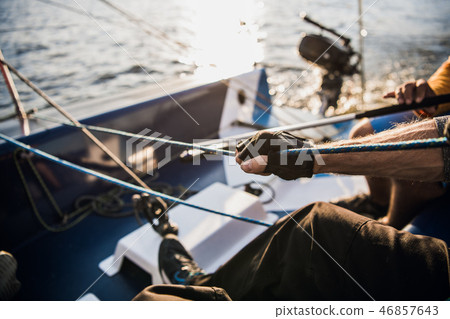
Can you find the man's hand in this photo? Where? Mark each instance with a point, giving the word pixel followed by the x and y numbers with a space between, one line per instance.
pixel 414 91
pixel 261 155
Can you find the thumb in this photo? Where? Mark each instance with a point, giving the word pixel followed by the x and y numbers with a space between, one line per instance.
pixel 255 165
pixel 389 95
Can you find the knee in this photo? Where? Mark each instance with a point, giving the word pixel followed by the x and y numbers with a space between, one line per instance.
pixel 362 128
pixel 315 210
pixel 327 214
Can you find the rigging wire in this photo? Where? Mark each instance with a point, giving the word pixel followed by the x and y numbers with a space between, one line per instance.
pixel 358 148
pixel 66 114
pixel 440 142
pixel 154 31
pixel 180 47
pixel 403 145
pixel 62 6
pixel 139 136
pixel 406 145
pixel 14 115
pixel 125 184
pixel 38 27
pixel 168 40
pixel 73 10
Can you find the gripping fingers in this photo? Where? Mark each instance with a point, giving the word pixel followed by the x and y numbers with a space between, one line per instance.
pixel 421 90
pixel 399 95
pixel 238 160
pixel 256 165
pixel 409 92
pixel 413 91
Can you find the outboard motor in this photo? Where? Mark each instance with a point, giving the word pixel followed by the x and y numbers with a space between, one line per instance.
pixel 336 57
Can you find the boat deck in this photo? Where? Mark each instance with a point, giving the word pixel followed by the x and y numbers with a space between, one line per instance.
pixel 61 266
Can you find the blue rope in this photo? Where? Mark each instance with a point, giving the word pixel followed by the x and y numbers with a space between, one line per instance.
pixel 378 147
pixel 405 145
pixel 125 184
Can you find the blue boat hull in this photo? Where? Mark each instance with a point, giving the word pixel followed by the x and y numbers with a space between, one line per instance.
pixel 60 266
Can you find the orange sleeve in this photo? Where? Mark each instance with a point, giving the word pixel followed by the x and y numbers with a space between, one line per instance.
pixel 439 82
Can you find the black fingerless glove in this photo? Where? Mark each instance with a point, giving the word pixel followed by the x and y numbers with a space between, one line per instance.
pixel 285 165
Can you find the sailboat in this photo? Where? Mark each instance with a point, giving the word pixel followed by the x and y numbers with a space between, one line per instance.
pixel 78 237
pixel 70 251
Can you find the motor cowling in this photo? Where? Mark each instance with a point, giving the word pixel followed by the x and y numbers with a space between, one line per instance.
pixel 327 53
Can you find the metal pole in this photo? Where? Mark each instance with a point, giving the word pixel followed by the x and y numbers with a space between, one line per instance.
pixel 21 115
pixel 392 109
pixel 67 115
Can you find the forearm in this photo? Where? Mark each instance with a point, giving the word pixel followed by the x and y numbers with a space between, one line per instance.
pixel 421 165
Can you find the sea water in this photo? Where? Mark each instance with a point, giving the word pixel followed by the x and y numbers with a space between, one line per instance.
pixel 77 50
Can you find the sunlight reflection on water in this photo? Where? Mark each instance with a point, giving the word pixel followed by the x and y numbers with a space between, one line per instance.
pixel 72 59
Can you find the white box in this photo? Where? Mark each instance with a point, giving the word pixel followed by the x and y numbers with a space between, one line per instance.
pixel 212 239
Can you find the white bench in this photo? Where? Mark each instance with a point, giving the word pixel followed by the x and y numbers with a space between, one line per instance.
pixel 212 239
